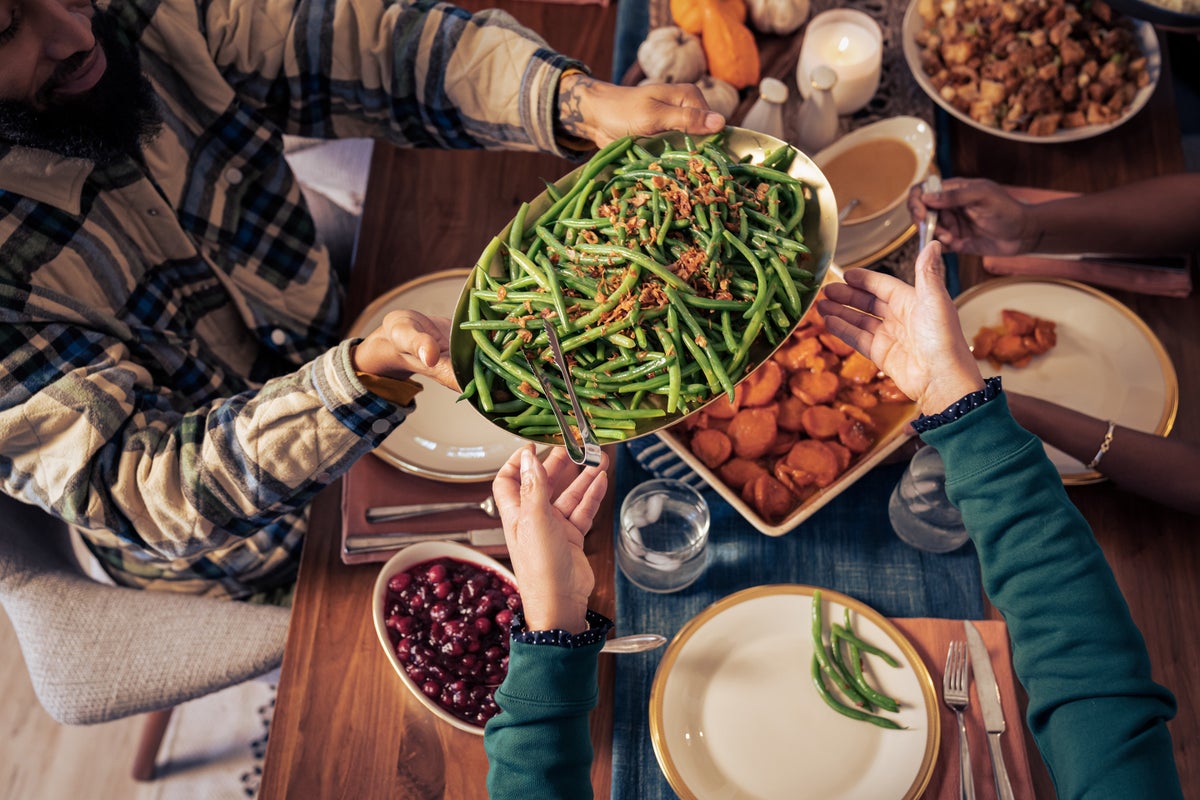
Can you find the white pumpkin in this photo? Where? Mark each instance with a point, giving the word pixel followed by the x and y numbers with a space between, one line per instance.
pixel 671 55
pixel 721 97
pixel 777 16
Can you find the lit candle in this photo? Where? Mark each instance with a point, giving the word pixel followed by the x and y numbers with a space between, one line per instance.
pixel 851 44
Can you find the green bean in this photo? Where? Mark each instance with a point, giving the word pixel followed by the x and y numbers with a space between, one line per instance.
pixel 673 369
pixel 822 655
pixel 854 713
pixel 850 636
pixel 716 368
pixel 856 672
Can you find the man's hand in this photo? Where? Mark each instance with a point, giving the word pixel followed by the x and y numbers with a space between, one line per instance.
pixel 912 334
pixel 601 112
pixel 546 511
pixel 408 343
pixel 977 216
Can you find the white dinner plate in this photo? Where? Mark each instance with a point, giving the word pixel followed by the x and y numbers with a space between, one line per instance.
pixel 1106 363
pixel 443 439
pixel 734 713
pixel 1144 32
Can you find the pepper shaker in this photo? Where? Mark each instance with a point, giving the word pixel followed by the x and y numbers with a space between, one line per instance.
pixel 766 115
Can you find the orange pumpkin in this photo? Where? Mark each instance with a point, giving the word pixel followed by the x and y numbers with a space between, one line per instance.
pixel 689 14
pixel 730 47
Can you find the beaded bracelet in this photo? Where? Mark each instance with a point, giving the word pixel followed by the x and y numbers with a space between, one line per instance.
pixel 991 388
pixel 1104 445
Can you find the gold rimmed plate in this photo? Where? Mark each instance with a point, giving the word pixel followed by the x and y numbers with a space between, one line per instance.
pixel 820 230
pixel 442 439
pixel 734 713
pixel 1107 363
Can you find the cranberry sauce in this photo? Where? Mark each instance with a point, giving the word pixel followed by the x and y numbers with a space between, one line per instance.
pixel 448 623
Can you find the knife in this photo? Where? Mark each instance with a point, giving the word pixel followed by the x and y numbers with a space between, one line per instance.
pixel 374 542
pixel 989 703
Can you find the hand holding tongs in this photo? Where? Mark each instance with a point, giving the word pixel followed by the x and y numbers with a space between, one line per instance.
pixel 927 227
pixel 586 452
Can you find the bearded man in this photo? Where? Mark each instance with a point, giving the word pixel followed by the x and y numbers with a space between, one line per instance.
pixel 172 379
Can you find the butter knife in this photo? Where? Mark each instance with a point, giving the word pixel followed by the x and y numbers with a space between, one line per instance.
pixel 989 704
pixel 374 542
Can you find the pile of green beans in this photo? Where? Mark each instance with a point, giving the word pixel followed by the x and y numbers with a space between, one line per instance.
pixel 659 271
pixel 846 673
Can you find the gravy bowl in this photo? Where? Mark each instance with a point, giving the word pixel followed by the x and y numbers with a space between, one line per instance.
pixel 877 164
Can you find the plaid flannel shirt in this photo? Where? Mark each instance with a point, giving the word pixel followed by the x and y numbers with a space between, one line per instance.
pixel 171 377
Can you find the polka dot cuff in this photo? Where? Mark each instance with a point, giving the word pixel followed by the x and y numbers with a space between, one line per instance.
pixel 598 628
pixel 957 410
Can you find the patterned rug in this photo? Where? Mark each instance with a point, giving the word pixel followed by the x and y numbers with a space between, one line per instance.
pixel 214 746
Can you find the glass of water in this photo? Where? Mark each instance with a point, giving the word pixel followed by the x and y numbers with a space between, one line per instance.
pixel 921 513
pixel 662 545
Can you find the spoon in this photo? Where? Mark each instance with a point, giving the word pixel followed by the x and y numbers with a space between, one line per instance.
pixel 390 513
pixel 634 643
pixel 846 209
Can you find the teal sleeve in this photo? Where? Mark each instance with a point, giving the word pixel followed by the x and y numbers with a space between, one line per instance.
pixel 539 745
pixel 1098 719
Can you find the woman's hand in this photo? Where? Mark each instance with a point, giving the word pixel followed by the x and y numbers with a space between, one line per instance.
pixel 601 112
pixel 546 511
pixel 976 216
pixel 408 343
pixel 911 333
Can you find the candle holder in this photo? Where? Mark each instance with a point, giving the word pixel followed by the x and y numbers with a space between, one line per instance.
pixel 851 43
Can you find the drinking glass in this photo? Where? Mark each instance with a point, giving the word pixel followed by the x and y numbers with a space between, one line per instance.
pixel 662 544
pixel 921 513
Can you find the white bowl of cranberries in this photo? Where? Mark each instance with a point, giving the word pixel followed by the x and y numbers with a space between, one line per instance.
pixel 442 613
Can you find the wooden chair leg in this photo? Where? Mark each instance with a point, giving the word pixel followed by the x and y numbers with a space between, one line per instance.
pixel 152 735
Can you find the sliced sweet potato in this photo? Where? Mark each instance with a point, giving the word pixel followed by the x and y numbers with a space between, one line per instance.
pixel 983 343
pixel 814 458
pixel 722 408
pixel 822 422
pixel 772 498
pixel 843 455
pixel 712 447
pixel 737 472
pixel 860 396
pixel 1017 322
pixel 859 369
pixel 796 480
pixel 783 442
pixel 800 355
pixel 854 412
pixel 752 431
pixel 1008 348
pixel 790 409
pixel 762 384
pixel 855 436
pixel 814 387
pixel 835 345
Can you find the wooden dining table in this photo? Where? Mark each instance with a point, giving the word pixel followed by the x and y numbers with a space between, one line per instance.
pixel 345 727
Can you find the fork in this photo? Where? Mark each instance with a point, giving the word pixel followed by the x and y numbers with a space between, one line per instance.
pixel 956 697
pixel 928 226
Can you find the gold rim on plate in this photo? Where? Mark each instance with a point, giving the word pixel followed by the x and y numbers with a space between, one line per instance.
pixel 1170 409
pixel 658 735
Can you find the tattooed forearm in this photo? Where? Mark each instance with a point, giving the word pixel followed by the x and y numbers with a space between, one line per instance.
pixel 571 93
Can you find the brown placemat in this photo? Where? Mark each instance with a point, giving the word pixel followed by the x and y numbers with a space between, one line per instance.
pixel 931 638
pixel 373 482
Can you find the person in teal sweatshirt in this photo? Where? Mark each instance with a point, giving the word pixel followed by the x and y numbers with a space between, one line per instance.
pixel 1099 720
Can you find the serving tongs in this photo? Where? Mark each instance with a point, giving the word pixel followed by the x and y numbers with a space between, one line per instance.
pixel 585 450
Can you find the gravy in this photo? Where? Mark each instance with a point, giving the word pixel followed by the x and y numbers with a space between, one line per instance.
pixel 876 172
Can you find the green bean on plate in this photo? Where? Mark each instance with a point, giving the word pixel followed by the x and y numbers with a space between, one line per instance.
pixel 670 269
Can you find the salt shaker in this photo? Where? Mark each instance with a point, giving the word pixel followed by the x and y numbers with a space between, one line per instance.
pixel 817 120
pixel 766 115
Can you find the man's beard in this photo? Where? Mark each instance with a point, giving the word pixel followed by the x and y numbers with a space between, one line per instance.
pixel 110 120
